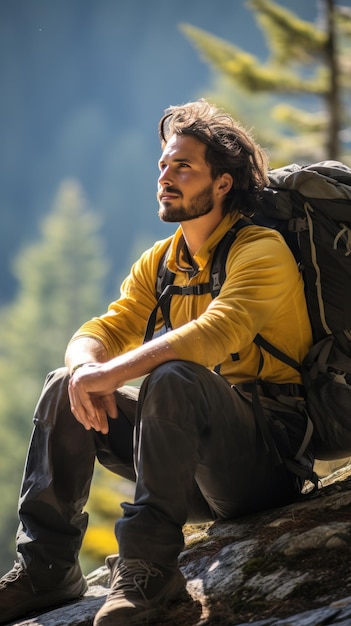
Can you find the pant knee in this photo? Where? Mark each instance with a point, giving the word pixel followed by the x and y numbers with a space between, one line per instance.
pixel 54 396
pixel 171 383
pixel 174 391
pixel 175 374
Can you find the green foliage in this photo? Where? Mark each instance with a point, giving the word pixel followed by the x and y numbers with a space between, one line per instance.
pixel 61 281
pixel 247 70
pixel 60 285
pixel 343 25
pixel 299 120
pixel 305 59
pixel 288 36
pixel 103 506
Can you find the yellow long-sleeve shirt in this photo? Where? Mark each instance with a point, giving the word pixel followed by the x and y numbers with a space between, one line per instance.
pixel 262 293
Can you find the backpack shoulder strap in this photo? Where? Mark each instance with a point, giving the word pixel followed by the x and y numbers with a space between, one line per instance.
pixel 165 278
pixel 164 292
pixel 261 342
pixel 164 275
pixel 218 271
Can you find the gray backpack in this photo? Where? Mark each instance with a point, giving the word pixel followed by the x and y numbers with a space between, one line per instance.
pixel 311 206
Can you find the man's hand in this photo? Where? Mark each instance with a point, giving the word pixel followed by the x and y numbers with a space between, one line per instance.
pixel 91 394
pixel 92 386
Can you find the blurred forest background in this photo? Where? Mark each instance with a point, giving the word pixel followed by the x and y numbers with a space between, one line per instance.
pixel 84 83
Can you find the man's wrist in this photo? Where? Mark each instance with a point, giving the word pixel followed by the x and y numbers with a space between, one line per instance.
pixel 76 367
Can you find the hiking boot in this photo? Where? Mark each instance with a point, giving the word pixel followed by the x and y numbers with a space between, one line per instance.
pixel 138 591
pixel 17 597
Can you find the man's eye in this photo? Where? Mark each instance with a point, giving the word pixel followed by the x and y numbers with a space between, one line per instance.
pixel 183 165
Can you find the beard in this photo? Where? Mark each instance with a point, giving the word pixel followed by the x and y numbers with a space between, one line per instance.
pixel 198 205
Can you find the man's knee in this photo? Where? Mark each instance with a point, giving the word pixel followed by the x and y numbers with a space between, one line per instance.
pixel 176 374
pixel 54 396
pixel 56 377
pixel 175 391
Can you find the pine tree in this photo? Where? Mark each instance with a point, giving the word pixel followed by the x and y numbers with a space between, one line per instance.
pixel 308 65
pixel 60 285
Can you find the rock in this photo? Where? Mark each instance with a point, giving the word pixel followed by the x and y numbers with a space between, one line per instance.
pixel 283 567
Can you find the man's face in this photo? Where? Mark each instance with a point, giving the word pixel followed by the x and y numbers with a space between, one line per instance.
pixel 185 185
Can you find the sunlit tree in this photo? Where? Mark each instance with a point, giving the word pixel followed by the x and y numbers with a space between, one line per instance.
pixel 60 285
pixel 308 62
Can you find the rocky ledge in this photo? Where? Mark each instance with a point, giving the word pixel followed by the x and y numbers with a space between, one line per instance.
pixel 284 567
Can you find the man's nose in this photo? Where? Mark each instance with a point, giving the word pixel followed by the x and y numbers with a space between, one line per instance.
pixel 165 177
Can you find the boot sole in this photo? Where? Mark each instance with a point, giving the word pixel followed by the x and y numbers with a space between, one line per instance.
pixel 174 595
pixel 150 615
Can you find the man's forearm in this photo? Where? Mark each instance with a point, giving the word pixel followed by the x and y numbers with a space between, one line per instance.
pixel 140 361
pixel 128 366
pixel 91 388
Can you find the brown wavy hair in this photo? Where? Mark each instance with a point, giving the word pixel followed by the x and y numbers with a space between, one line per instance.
pixel 230 149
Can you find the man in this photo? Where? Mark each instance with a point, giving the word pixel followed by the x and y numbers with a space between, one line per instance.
pixel 198 451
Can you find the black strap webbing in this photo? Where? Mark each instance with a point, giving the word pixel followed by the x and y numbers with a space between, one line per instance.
pixel 261 342
pixel 164 301
pixel 165 288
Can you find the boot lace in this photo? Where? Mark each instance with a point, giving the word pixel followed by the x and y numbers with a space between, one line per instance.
pixel 12 575
pixel 134 576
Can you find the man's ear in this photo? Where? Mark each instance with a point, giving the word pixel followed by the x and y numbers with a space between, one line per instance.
pixel 224 183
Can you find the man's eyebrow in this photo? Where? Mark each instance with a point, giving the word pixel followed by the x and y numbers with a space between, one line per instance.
pixel 178 160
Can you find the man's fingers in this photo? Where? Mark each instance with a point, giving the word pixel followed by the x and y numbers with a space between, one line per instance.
pixel 105 407
pixel 92 411
pixel 91 404
pixel 78 409
pixel 110 405
pixel 84 408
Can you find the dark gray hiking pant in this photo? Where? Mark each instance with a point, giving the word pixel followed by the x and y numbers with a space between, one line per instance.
pixel 197 456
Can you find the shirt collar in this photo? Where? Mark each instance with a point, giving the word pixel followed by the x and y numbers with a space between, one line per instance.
pixel 179 259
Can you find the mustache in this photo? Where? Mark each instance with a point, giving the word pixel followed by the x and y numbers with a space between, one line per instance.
pixel 168 189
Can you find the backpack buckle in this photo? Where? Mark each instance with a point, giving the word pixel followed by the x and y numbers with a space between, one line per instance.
pixel 298 224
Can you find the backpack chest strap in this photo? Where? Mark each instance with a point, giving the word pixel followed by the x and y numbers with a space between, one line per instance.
pixel 164 302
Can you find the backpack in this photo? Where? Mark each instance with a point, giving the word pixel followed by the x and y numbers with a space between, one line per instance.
pixel 311 207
